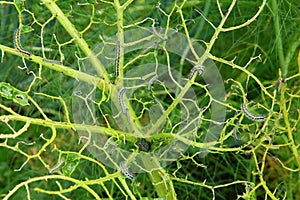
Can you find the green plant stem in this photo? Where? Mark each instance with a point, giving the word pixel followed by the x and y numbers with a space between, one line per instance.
pixel 160 179
pixel 260 174
pixel 292 49
pixel 85 48
pixel 120 35
pixel 235 66
pixel 63 125
pixel 78 183
pixel 287 124
pixel 123 182
pixel 105 86
pixel 218 30
pixel 157 181
pixel 283 66
pixel 70 28
pixel 63 69
pixel 207 55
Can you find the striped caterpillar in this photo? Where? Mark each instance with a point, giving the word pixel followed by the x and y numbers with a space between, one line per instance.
pixel 251 116
pixel 117 61
pixel 151 81
pixel 121 100
pixel 17 43
pixel 197 68
pixel 52 61
pixel 125 171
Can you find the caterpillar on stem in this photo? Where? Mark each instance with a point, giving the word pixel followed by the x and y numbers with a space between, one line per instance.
pixel 17 43
pixel 160 105
pixel 52 61
pixel 125 171
pixel 250 115
pixel 158 35
pixel 117 61
pixel 197 68
pixel 151 81
pixel 235 131
pixel 149 48
pixel 121 100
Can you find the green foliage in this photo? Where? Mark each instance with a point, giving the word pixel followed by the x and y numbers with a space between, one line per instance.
pixel 9 92
pixel 61 135
pixel 71 162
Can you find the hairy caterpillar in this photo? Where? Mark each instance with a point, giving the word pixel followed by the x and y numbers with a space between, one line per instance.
pixel 197 68
pixel 151 81
pixel 251 116
pixel 17 43
pixel 52 61
pixel 125 171
pixel 121 100
pixel 117 61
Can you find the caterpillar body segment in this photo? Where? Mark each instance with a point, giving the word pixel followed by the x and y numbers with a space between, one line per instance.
pixel 250 115
pixel 17 43
pixel 197 68
pixel 121 100
pixel 125 171
pixel 117 59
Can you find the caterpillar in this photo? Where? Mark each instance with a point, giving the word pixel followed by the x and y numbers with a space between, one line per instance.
pixel 149 48
pixel 56 167
pixel 251 116
pixel 113 149
pixel 125 171
pixel 17 43
pixel 197 68
pixel 160 105
pixel 121 100
pixel 235 131
pixel 117 61
pixel 151 81
pixel 111 145
pixel 158 35
pixel 52 61
pixel 192 72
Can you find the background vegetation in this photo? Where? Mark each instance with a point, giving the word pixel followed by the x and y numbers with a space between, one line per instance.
pixel 255 45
